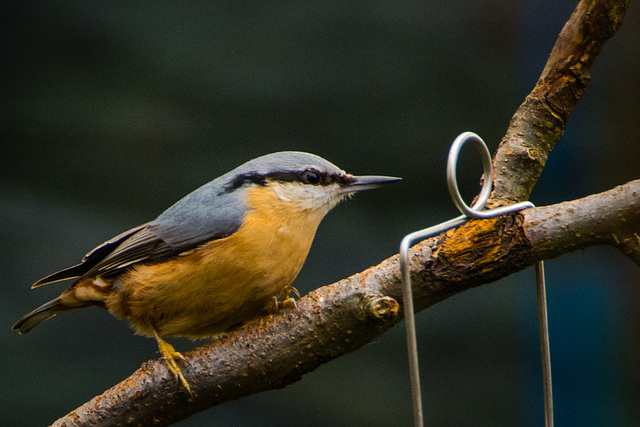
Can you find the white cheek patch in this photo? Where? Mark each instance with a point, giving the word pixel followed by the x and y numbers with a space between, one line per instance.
pixel 308 197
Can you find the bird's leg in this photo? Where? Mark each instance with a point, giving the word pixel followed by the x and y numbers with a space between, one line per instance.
pixel 171 356
pixel 272 307
pixel 287 300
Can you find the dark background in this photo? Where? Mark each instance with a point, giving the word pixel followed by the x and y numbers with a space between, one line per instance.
pixel 112 111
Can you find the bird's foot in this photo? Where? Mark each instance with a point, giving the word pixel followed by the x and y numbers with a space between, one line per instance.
pixel 288 302
pixel 171 356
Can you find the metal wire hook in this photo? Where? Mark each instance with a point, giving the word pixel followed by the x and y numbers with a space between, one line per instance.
pixel 476 211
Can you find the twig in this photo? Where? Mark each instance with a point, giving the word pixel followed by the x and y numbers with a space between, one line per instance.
pixel 540 121
pixel 630 246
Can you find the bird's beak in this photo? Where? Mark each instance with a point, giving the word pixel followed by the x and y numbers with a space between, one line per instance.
pixel 362 183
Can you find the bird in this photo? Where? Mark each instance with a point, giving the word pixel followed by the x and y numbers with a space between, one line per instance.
pixel 217 259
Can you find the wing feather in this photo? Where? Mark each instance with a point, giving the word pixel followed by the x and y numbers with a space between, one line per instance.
pixel 142 247
pixel 89 260
pixel 206 214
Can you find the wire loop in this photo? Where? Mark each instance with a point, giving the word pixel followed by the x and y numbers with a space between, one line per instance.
pixel 452 179
pixel 476 211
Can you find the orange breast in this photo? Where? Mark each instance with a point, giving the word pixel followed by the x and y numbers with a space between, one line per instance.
pixel 225 281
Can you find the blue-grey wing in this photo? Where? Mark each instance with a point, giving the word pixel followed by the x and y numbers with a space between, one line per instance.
pixel 208 213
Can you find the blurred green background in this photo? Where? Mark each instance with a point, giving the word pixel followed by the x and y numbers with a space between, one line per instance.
pixel 112 111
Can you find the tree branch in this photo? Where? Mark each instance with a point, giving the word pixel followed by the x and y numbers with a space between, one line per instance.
pixel 564 225
pixel 539 122
pixel 340 318
pixel 630 246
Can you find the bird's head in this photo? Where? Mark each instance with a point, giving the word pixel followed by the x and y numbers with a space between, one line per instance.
pixel 305 180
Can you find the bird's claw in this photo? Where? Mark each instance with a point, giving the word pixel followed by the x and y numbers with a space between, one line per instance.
pixel 288 302
pixel 171 356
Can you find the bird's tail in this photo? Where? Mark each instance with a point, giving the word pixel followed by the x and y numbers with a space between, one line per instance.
pixel 39 315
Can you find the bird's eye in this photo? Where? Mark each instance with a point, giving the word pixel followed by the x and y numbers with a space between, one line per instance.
pixel 311 177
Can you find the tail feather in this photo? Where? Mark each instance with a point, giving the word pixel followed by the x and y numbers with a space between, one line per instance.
pixel 39 315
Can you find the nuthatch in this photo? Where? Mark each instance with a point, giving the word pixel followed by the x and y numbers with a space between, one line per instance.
pixel 216 259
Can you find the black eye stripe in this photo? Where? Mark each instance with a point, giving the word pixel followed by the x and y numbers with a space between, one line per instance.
pixel 324 178
pixel 303 176
pixel 239 180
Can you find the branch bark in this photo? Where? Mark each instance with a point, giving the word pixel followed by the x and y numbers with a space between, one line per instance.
pixel 337 319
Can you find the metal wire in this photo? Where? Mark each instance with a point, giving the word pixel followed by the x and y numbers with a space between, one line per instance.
pixel 543 327
pixel 476 211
